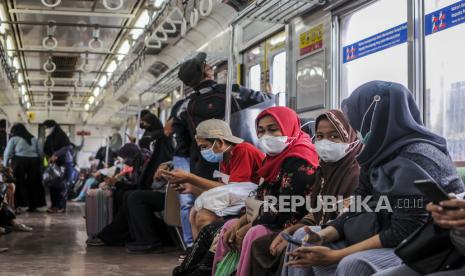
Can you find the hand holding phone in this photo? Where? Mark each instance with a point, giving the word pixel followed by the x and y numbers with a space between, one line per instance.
pixel 432 191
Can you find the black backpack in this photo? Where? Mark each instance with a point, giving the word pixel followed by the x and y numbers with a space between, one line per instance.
pixel 208 105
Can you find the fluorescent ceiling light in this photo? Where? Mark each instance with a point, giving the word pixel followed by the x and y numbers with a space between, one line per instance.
pixel 103 81
pixel 141 22
pixel 28 105
pixel 123 50
pixel 158 3
pixel 2 18
pixel 20 78
pixel 111 67
pixel 277 40
pixel 256 51
pixel 96 91
pixel 16 63
pixel 91 99
pixel 10 45
pixel 23 90
pixel 86 107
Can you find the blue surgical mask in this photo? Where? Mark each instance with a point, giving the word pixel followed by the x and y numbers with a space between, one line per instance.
pixel 365 138
pixel 211 156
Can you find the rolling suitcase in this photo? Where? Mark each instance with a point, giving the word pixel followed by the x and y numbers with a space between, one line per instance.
pixel 99 210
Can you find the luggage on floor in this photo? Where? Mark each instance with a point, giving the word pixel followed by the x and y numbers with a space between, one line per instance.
pixel 99 210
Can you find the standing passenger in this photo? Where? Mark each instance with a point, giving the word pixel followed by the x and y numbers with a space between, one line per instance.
pixel 24 151
pixel 58 149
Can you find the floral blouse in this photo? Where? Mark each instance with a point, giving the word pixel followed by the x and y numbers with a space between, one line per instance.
pixel 296 178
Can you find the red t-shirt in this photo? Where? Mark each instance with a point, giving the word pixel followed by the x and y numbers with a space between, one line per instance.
pixel 244 163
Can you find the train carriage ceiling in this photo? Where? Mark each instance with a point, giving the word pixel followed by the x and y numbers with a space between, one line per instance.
pixel 83 60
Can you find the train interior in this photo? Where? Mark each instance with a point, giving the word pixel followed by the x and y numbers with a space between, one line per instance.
pixel 92 66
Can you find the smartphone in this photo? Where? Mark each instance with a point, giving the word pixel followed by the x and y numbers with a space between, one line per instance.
pixel 292 240
pixel 431 190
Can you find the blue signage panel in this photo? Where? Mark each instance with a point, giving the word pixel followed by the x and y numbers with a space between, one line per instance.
pixel 375 43
pixel 445 18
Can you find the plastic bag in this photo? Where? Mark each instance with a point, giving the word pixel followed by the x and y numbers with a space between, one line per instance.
pixel 228 265
pixel 225 200
pixel 53 176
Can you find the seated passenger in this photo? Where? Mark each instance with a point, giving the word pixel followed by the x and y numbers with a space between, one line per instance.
pixel 398 150
pixel 337 146
pixel 136 225
pixel 447 219
pixel 288 170
pixel 239 162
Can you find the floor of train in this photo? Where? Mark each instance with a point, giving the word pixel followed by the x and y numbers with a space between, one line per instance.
pixel 57 247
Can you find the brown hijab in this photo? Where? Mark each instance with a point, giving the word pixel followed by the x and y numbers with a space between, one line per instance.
pixel 337 178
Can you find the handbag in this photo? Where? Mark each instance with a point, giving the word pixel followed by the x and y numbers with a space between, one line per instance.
pixel 430 249
pixel 53 176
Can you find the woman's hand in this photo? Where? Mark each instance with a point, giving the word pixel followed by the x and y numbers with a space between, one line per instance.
pixel 184 188
pixel 240 235
pixel 313 237
pixel 229 238
pixel 278 244
pixel 446 217
pixel 176 176
pixel 160 170
pixel 314 256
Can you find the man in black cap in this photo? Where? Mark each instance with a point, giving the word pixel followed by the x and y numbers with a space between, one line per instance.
pixel 206 102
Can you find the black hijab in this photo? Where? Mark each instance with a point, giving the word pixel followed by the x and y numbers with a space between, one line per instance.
pixel 395 121
pixel 20 130
pixel 56 140
pixel 152 132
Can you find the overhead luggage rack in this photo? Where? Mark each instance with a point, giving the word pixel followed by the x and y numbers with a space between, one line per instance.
pixel 277 11
pixel 169 81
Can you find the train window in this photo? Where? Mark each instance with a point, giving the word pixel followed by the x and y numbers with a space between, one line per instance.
pixel 445 82
pixel 374 51
pixel 278 77
pixel 255 74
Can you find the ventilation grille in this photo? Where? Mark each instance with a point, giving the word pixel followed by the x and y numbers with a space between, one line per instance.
pixel 65 66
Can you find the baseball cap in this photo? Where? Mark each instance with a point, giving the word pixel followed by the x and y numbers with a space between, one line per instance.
pixel 191 70
pixel 216 129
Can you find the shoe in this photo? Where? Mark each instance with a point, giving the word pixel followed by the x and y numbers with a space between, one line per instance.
pixel 22 228
pixel 77 199
pixel 52 210
pixel 62 210
pixel 3 249
pixel 94 242
pixel 138 248
pixel 34 210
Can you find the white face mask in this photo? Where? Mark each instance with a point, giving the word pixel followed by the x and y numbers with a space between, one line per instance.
pixel 272 145
pixel 330 151
pixel 49 131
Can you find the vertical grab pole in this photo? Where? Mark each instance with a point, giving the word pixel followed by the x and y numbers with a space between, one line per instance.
pixel 125 138
pixel 139 109
pixel 229 82
pixel 107 151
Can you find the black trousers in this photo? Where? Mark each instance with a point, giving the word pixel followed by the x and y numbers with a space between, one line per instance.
pixel 136 220
pixel 59 195
pixel 29 190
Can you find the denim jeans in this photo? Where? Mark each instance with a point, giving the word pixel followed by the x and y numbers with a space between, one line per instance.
pixel 186 201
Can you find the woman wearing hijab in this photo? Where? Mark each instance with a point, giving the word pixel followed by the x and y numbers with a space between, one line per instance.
pixel 57 148
pixel 288 170
pixel 337 146
pixel 24 152
pixel 398 150
pixel 152 126
pixel 134 221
